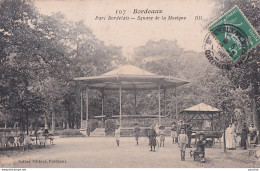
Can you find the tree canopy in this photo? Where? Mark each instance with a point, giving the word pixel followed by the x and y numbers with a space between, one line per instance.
pixel 40 55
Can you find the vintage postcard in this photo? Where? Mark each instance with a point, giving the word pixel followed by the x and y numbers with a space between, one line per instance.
pixel 129 84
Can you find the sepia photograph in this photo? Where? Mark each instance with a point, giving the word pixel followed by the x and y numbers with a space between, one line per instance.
pixel 129 84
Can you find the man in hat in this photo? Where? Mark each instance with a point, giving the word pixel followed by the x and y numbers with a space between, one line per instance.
pixel 244 135
pixel 152 138
pixel 137 132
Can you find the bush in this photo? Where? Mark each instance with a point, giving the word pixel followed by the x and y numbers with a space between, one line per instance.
pixel 71 133
pixel 93 125
pixel 110 127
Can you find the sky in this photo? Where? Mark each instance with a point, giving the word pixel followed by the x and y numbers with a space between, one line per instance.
pixel 132 33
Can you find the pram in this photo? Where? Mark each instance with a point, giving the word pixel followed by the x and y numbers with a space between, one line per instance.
pixel 198 155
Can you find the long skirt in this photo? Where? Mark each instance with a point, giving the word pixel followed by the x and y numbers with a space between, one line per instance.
pixel 152 141
pixel 230 141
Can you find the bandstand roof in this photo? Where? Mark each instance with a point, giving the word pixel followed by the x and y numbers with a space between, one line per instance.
pixel 130 77
pixel 201 108
pixel 129 116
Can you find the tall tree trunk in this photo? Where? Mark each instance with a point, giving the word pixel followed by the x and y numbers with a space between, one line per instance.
pixel 45 121
pixel 257 99
pixel 256 111
pixel 27 124
pixel 53 124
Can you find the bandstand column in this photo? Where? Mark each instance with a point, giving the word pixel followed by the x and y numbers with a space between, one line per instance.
pixel 87 108
pixel 120 101
pixel 102 109
pixel 159 94
pixel 135 102
pixel 164 99
pixel 81 109
pixel 176 109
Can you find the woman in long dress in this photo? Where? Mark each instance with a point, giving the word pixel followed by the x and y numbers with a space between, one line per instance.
pixel 230 137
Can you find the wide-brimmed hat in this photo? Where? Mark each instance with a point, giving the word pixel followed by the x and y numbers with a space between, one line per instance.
pixel 161 127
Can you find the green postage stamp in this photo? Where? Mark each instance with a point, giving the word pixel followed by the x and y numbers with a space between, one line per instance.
pixel 234 33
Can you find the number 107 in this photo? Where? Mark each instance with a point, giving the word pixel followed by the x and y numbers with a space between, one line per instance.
pixel 120 12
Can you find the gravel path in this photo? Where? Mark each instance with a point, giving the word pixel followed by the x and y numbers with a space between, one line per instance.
pixel 102 152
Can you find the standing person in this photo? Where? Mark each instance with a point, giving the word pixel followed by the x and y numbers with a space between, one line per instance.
pixel 46 131
pixel 182 141
pixel 244 135
pixel 230 137
pixel 174 133
pixel 253 135
pixel 180 126
pixel 117 134
pixel 189 133
pixel 88 131
pixel 137 132
pixel 237 134
pixel 152 139
pixel 162 135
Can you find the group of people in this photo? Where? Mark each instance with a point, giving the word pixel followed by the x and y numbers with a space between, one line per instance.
pixel 244 137
pixel 187 129
pixel 183 137
pixel 152 134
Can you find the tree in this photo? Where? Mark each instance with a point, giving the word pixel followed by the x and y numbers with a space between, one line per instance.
pixel 246 77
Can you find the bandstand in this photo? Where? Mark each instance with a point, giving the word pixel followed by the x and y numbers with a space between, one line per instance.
pixel 127 77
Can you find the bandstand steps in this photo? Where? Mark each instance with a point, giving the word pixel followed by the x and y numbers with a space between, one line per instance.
pixel 98 132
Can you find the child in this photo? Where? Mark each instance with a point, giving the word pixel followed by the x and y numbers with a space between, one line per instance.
pixel 152 139
pixel 174 133
pixel 136 131
pixel 182 141
pixel 117 134
pixel 201 146
pixel 162 135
